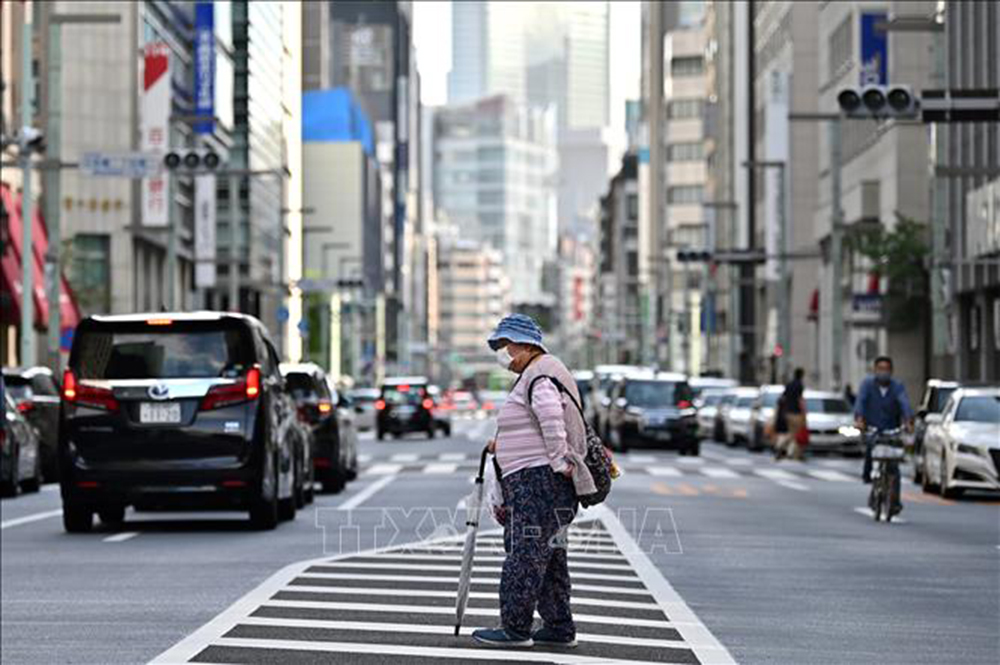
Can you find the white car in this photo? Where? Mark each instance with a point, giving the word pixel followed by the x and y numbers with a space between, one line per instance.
pixel 364 407
pixel 738 423
pixel 708 408
pixel 962 443
pixel 763 413
pixel 830 420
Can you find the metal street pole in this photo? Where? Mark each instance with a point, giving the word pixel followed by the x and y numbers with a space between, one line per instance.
pixel 836 252
pixel 234 223
pixel 27 243
pixel 171 247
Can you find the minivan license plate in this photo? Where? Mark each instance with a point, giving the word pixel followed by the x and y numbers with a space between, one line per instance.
pixel 159 414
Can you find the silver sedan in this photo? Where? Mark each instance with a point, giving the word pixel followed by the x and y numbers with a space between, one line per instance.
pixel 962 443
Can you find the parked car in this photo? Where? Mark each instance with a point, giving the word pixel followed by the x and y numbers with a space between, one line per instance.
pixel 20 455
pixel 36 393
pixel 700 384
pixel 490 402
pixel 442 416
pixel 708 410
pixel 653 408
pixel 830 420
pixel 584 383
pixel 739 426
pixel 721 432
pixel 936 394
pixel 404 406
pixel 762 413
pixel 962 443
pixel 364 407
pixel 604 379
pixel 330 419
pixel 175 410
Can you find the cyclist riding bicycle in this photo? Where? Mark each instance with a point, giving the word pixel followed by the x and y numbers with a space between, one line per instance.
pixel 882 403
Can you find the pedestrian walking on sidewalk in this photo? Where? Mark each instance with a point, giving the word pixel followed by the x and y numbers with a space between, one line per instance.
pixel 539 450
pixel 791 415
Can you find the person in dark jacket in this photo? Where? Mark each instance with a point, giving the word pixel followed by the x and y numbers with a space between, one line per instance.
pixel 882 403
pixel 791 417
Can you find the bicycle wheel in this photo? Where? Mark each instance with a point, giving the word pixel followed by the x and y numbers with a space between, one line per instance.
pixel 887 499
pixel 877 499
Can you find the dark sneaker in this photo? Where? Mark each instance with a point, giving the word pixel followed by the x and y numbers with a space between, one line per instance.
pixel 498 637
pixel 547 637
pixel 897 509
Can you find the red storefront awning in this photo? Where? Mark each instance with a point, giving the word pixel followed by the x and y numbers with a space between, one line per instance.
pixel 10 268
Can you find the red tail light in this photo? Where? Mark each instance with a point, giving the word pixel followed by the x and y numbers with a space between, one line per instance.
pixel 380 405
pixel 253 383
pixel 428 404
pixel 24 407
pixel 684 404
pixel 84 395
pixel 69 386
pixel 244 390
pixel 488 406
pixel 325 407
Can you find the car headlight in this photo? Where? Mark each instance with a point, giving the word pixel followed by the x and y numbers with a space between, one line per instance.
pixel 969 450
pixel 849 431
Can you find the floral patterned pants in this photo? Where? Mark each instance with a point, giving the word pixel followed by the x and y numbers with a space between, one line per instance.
pixel 540 505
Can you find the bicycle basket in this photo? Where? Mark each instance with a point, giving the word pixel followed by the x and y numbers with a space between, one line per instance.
pixel 887 452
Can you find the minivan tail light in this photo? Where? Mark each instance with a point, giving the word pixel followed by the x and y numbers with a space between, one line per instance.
pixel 253 383
pixel 684 404
pixel 243 390
pixel 25 407
pixel 89 396
pixel 380 405
pixel 428 404
pixel 325 407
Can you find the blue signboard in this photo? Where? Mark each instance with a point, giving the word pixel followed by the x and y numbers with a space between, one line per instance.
pixel 204 66
pixel 874 50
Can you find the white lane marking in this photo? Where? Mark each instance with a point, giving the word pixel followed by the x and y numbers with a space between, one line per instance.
pixel 598 602
pixel 739 461
pixel 439 609
pixel 366 493
pixel 706 647
pixel 396 592
pixel 121 537
pixel 348 575
pixel 828 474
pixel 690 460
pixel 775 474
pixel 50 487
pixel 465 654
pixel 664 471
pixel 380 469
pixel 364 458
pixel 431 629
pixel 791 484
pixel 867 512
pixel 452 457
pixel 441 468
pixel 640 459
pixel 404 457
pixel 396 565
pixel 719 472
pixel 27 519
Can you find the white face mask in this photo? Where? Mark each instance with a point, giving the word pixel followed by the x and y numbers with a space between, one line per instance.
pixel 504 359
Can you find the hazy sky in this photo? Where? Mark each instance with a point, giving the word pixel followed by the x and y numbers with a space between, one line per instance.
pixel 432 35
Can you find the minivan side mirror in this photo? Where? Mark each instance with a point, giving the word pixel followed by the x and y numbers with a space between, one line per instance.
pixel 933 418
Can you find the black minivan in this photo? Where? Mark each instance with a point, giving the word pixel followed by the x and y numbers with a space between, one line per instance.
pixel 405 406
pixel 176 411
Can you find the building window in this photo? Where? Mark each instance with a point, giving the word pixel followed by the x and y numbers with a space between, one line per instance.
pixel 490 154
pixel 685 152
pixel 632 203
pixel 685 108
pixel 839 47
pixel 691 65
pixel 685 194
pixel 91 274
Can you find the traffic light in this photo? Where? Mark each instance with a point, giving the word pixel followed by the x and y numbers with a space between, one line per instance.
pixel 693 256
pixel 878 101
pixel 191 160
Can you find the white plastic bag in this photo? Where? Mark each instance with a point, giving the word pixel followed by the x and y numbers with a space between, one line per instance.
pixel 494 495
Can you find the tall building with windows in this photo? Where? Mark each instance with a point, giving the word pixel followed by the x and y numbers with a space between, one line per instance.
pixel 489 50
pixel 494 178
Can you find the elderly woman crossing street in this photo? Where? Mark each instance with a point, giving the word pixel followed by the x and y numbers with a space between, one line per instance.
pixel 539 448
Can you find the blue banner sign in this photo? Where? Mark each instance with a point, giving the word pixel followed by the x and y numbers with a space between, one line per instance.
pixel 874 50
pixel 204 66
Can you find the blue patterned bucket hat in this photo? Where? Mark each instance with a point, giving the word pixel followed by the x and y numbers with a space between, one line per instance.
pixel 517 328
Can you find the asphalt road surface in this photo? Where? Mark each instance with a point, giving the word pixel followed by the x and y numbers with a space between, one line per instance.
pixel 722 558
